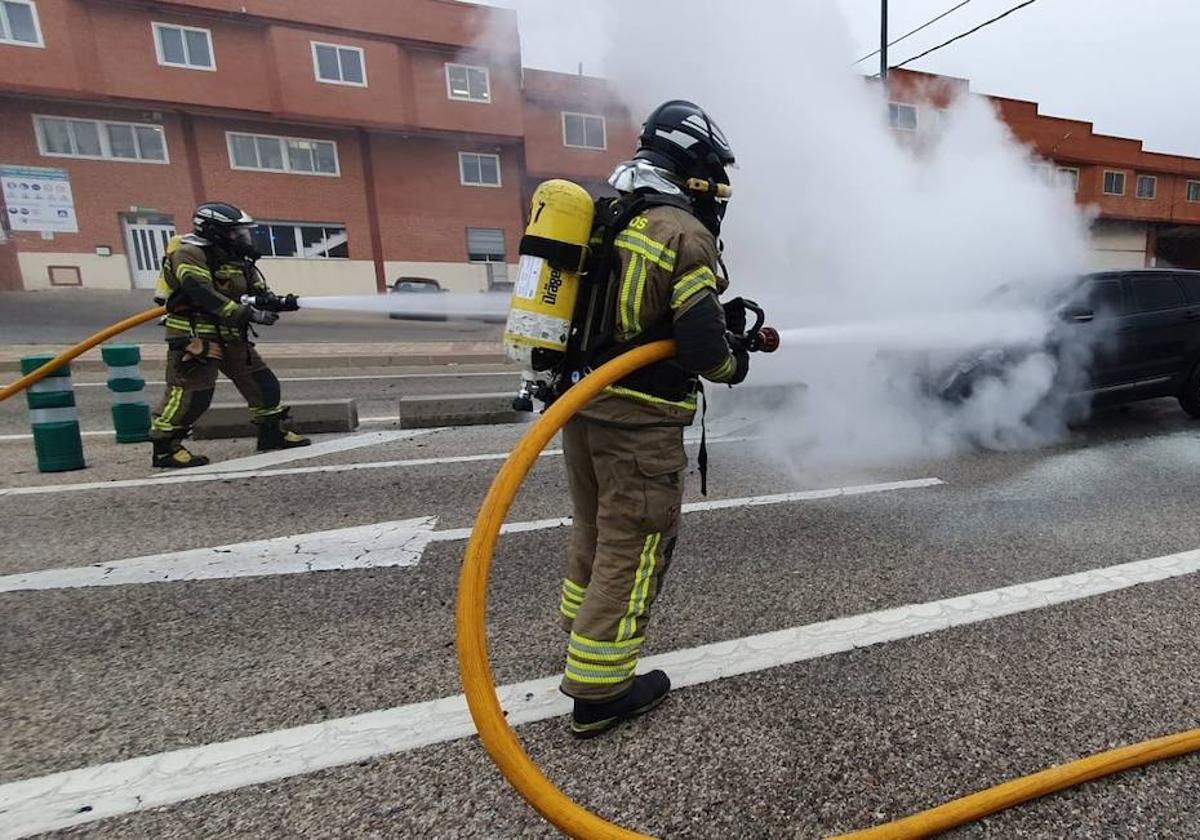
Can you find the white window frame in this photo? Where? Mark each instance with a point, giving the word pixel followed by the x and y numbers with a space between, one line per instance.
pixel 102 135
pixel 1062 171
pixel 487 77
pixel 362 61
pixel 1137 188
pixel 916 112
pixel 37 25
pixel 1187 191
pixel 299 241
pixel 462 173
pixel 603 130
pixel 1104 181
pixel 157 28
pixel 287 170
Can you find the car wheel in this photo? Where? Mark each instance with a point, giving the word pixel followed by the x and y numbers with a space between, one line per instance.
pixel 1189 398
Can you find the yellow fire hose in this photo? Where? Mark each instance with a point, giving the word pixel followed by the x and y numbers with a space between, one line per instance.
pixel 505 749
pixel 979 805
pixel 78 350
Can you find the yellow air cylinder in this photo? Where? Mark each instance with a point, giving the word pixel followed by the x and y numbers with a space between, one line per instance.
pixel 552 255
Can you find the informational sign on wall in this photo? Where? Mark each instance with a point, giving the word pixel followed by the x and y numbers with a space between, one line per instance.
pixel 38 199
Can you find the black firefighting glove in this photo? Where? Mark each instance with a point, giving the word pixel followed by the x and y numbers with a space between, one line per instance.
pixel 251 315
pixel 735 316
pixel 263 316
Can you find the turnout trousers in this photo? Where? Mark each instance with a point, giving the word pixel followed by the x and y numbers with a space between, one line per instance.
pixel 626 487
pixel 192 378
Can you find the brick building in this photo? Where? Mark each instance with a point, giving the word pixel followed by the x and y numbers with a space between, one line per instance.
pixel 374 140
pixel 1147 204
pixel 378 140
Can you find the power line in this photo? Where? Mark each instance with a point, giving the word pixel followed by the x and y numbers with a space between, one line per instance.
pixel 924 25
pixel 998 17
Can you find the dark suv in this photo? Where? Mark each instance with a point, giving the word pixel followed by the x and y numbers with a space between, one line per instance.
pixel 1136 334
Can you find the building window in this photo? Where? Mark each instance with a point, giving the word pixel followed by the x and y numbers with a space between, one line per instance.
pixel 584 131
pixel 301 241
pixel 184 46
pixel 1042 172
pixel 470 84
pixel 902 117
pixel 486 245
pixel 1114 182
pixel 1068 176
pixel 1147 186
pixel 1193 190
pixel 100 139
pixel 338 65
pixel 283 154
pixel 477 170
pixel 19 23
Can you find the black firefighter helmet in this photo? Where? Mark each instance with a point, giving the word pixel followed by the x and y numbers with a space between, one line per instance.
pixel 681 138
pixel 226 226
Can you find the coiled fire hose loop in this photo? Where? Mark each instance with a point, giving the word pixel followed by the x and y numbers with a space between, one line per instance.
pixel 505 749
pixel 78 350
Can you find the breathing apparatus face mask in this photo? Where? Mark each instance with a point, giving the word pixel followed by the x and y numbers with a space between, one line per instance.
pixel 241 242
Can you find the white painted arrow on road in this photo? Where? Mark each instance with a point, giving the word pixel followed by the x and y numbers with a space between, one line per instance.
pixel 382 545
pixel 385 544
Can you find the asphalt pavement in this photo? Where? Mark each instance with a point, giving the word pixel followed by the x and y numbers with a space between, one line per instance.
pixel 796 743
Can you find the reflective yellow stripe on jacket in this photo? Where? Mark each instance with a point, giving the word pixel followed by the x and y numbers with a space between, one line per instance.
pixel 644 252
pixel 691 284
pixel 687 405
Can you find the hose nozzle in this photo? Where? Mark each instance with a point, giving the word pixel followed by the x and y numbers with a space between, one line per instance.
pixel 272 302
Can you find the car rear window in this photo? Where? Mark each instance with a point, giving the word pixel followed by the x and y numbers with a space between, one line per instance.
pixel 1154 293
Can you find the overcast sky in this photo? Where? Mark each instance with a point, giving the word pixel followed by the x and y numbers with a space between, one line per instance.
pixel 1132 68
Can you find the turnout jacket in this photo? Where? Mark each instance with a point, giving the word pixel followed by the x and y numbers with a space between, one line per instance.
pixel 206 288
pixel 669 274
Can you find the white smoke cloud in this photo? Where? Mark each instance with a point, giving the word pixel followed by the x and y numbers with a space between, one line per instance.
pixel 865 251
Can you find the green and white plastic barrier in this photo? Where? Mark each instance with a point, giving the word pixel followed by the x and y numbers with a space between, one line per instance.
pixel 54 419
pixel 130 412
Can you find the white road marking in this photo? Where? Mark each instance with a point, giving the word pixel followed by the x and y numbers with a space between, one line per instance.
pixel 73 797
pixel 344 443
pixel 382 545
pixel 191 477
pixel 348 378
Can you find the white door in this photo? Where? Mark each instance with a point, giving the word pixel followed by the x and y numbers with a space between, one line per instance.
pixel 146 245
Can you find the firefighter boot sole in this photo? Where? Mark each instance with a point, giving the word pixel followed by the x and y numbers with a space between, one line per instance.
pixel 592 719
pixel 270 441
pixel 169 462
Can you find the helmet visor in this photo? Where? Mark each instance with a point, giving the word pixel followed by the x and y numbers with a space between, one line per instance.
pixel 242 235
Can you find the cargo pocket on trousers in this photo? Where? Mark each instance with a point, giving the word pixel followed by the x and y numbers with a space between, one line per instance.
pixel 662 489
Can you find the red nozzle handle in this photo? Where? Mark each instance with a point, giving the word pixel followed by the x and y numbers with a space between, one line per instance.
pixel 765 340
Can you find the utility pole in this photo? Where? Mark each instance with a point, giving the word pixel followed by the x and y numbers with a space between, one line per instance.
pixel 883 44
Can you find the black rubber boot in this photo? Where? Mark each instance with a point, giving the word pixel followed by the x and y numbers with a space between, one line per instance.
pixel 272 435
pixel 592 719
pixel 172 454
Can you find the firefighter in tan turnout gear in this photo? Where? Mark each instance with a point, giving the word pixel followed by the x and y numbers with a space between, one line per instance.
pixel 206 275
pixel 624 452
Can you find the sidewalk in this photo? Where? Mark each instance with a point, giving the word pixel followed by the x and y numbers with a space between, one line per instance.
pixel 286 356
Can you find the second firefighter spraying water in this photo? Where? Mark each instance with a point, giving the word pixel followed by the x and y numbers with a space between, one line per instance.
pixel 595 280
pixel 214 294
